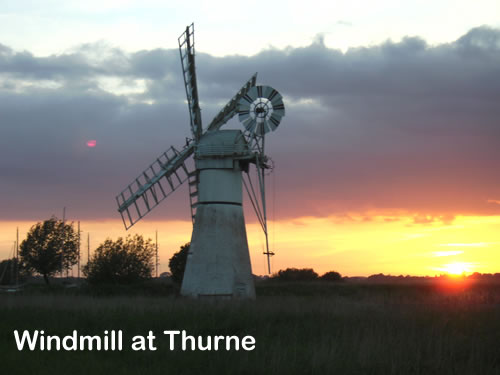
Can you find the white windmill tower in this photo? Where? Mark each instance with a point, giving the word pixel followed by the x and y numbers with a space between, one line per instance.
pixel 218 263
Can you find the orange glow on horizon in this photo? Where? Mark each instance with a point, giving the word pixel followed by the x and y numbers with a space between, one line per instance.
pixel 457 268
pixel 352 245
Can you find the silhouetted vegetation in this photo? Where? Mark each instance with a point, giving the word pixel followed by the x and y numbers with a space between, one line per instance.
pixel 7 271
pixel 296 274
pixel 12 272
pixel 331 276
pixel 177 263
pixel 381 278
pixel 123 261
pixel 50 247
pixel 305 274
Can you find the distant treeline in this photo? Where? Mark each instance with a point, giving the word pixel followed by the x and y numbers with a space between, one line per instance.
pixel 308 274
pixel 305 274
pixel 473 276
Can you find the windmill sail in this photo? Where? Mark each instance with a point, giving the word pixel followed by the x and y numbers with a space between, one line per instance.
pixel 157 182
pixel 230 108
pixel 186 49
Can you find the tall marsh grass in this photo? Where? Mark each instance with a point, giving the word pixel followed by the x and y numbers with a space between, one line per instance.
pixel 306 328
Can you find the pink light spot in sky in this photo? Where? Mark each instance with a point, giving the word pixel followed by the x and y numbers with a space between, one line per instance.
pixel 91 143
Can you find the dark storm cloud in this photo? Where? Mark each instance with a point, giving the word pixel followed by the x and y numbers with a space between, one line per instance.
pixel 397 126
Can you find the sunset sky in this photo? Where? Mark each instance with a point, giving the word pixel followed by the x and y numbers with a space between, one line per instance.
pixel 387 159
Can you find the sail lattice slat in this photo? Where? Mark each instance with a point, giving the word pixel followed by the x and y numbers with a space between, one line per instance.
pixel 153 185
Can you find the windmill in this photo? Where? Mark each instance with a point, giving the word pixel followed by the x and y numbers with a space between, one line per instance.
pixel 218 263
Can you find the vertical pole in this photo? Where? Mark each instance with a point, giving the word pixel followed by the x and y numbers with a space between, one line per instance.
pixel 78 271
pixel 17 255
pixel 12 266
pixel 264 213
pixel 262 185
pixel 264 207
pixel 61 256
pixel 88 248
pixel 157 253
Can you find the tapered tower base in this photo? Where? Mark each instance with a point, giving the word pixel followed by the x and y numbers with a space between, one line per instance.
pixel 218 264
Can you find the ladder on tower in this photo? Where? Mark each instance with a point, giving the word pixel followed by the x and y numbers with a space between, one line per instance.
pixel 193 192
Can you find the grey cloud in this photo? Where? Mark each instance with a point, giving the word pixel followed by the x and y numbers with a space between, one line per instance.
pixel 396 126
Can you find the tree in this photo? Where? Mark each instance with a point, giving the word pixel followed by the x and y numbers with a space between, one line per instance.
pixel 331 276
pixel 177 263
pixel 122 261
pixel 294 274
pixel 49 247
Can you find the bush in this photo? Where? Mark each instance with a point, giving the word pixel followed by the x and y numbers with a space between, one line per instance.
pixel 121 261
pixel 295 274
pixel 331 276
pixel 177 263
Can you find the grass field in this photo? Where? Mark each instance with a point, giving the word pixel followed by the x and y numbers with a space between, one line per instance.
pixel 300 328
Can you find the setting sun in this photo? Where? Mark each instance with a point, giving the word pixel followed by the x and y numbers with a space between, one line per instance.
pixel 457 268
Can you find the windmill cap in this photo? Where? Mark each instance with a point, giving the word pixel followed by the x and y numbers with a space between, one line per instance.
pixel 222 143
